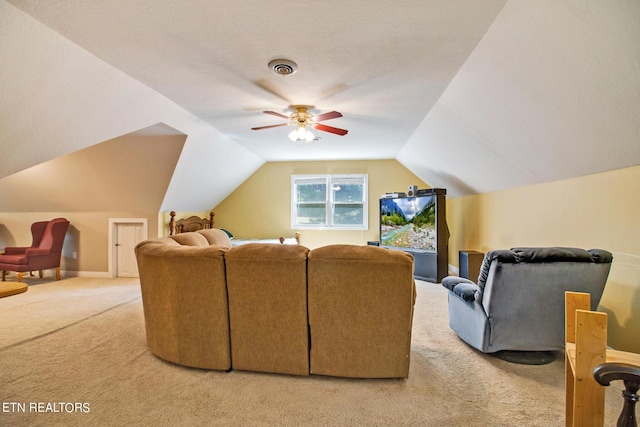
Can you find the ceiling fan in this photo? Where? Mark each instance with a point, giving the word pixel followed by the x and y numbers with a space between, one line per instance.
pixel 302 118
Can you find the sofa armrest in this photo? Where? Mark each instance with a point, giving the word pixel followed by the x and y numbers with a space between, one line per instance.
pixel 466 289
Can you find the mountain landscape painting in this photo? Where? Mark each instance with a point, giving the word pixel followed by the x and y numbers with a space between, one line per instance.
pixel 408 222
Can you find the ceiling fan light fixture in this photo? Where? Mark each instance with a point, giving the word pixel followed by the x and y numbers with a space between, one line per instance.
pixel 309 137
pixel 283 67
pixel 301 134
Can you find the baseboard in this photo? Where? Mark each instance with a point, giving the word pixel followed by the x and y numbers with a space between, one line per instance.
pixel 90 274
pixel 453 270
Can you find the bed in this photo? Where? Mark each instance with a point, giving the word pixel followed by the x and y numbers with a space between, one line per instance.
pixel 195 223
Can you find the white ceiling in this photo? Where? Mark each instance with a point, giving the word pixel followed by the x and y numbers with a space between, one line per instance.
pixel 382 64
pixel 470 95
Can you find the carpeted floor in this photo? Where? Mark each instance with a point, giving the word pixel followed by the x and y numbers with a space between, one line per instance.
pixel 73 353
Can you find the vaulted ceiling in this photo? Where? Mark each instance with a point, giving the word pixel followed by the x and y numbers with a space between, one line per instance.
pixel 470 96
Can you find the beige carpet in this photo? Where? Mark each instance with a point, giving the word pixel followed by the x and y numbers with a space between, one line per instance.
pixel 73 352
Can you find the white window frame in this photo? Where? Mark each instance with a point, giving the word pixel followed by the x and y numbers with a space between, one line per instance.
pixel 330 203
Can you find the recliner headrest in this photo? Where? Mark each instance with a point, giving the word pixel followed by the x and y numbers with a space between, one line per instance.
pixel 553 254
pixel 540 255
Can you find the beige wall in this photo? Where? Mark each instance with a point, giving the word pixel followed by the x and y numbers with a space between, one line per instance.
pixel 596 211
pixel 260 207
pixel 129 172
pixel 88 236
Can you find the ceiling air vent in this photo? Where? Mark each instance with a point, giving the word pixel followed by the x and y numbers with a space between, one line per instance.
pixel 283 67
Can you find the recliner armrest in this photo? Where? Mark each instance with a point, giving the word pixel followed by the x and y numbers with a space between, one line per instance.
pixel 466 289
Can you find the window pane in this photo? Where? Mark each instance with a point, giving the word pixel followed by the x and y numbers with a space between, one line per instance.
pixel 348 190
pixel 311 191
pixel 311 213
pixel 344 214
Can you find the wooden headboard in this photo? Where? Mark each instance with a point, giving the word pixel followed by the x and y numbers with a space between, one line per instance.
pixel 193 223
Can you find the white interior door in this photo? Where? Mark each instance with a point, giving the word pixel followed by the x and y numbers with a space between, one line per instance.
pixel 127 236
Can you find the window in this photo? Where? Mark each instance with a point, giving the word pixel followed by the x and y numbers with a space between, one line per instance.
pixel 329 202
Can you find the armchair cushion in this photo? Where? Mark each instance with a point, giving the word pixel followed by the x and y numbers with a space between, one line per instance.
pixel 20 259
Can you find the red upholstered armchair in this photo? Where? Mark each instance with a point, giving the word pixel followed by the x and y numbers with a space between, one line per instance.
pixel 44 253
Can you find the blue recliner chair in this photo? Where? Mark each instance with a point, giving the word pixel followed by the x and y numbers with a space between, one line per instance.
pixel 518 302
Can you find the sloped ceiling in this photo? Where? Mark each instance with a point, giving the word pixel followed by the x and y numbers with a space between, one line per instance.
pixel 551 92
pixel 116 175
pixel 470 96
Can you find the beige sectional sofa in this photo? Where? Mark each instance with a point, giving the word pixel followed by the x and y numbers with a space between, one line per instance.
pixel 339 310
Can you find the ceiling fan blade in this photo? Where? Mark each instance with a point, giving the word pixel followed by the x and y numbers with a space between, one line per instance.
pixel 270 126
pixel 327 116
pixel 331 129
pixel 273 113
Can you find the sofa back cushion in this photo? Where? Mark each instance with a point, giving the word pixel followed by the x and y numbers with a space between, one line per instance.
pixel 360 311
pixel 267 286
pixel 184 297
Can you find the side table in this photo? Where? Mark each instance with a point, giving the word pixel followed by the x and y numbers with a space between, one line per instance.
pixel 470 263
